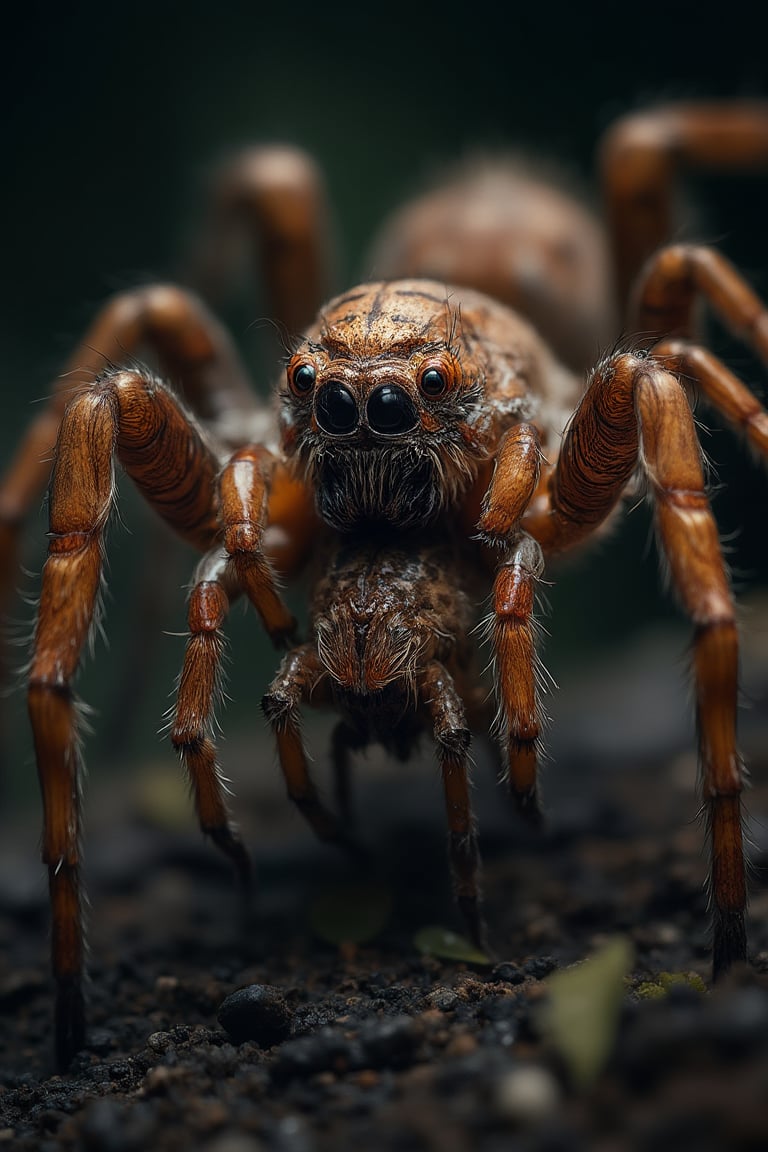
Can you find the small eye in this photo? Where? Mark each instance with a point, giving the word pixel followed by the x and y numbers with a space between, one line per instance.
pixel 302 378
pixel 433 382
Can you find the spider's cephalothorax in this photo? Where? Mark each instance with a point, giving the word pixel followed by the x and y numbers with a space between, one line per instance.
pixel 386 408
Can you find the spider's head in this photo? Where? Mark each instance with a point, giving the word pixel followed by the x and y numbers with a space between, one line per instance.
pixel 383 407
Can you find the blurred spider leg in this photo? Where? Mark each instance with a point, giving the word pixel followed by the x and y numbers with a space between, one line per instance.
pixel 245 488
pixel 194 350
pixel 635 410
pixel 274 197
pixel 515 481
pixel 724 391
pixel 642 156
pixel 176 471
pixel 199 687
pixel 297 676
pixel 452 737
pixel 674 281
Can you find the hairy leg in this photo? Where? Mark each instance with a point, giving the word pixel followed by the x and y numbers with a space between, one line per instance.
pixel 643 155
pixel 193 350
pixel 273 198
pixel 511 625
pixel 635 412
pixel 135 417
pixel 678 278
pixel 438 694
pixel 720 387
pixel 198 693
pixel 298 674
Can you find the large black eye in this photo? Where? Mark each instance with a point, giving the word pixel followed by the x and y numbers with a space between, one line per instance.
pixel 335 409
pixel 390 411
pixel 433 382
pixel 303 379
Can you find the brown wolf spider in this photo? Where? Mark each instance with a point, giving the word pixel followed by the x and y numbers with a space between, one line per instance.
pixel 428 437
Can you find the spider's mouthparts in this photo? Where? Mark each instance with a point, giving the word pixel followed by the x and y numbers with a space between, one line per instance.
pixel 376 487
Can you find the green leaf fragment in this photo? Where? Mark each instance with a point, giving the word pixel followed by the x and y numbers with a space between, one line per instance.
pixel 447 945
pixel 581 1014
pixel 658 988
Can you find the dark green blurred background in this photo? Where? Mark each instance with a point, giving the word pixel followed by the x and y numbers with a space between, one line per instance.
pixel 114 114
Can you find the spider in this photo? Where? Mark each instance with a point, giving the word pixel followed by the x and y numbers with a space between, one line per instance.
pixel 436 431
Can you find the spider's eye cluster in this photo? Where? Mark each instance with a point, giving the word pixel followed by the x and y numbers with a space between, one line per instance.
pixel 437 378
pixel 301 377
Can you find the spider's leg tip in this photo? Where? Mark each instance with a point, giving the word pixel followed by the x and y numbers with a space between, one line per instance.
pixel 70 1022
pixel 730 943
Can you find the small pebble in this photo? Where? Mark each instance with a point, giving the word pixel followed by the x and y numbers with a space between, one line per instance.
pixel 526 1094
pixel 100 1040
pixel 510 973
pixel 389 1042
pixel 159 1041
pixel 540 966
pixel 443 998
pixel 259 1013
pixel 368 1078
pixel 166 983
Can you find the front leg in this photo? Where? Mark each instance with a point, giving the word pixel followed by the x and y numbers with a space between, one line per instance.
pixel 199 691
pixel 511 625
pixel 635 413
pixel 162 450
pixel 438 694
pixel 239 566
pixel 299 674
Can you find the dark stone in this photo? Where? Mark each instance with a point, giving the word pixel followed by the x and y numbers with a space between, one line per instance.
pixel 389 1043
pixel 509 973
pixel 259 1013
pixel 327 1049
pixel 540 966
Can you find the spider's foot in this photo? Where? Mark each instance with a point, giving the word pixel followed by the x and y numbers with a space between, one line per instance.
pixel 70 1021
pixel 231 845
pixel 527 806
pixel 470 909
pixel 730 942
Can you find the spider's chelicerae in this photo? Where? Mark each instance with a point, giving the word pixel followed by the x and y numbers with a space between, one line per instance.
pixel 418 451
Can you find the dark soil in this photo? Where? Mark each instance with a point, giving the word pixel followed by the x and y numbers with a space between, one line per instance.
pixel 378 1045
